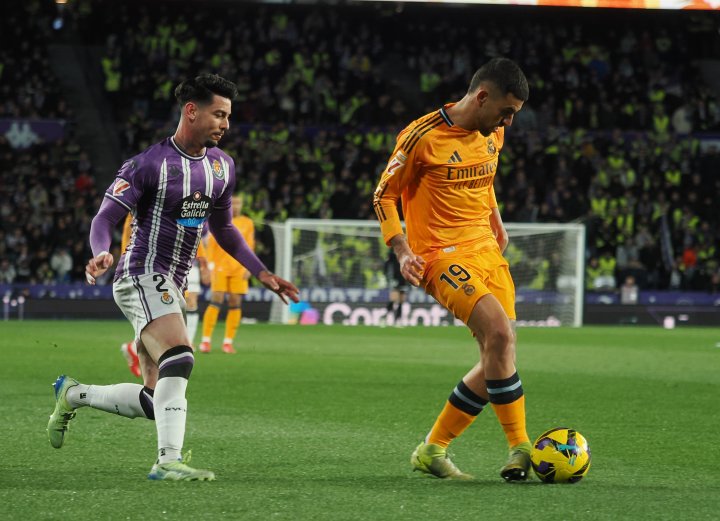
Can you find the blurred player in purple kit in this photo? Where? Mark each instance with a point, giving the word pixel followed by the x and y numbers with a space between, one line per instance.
pixel 172 189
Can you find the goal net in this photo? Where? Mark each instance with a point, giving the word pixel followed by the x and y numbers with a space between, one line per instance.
pixel 340 268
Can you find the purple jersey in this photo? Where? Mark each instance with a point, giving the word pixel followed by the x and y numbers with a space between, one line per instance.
pixel 170 195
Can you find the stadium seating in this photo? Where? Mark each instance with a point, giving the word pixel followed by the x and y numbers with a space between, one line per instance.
pixel 613 135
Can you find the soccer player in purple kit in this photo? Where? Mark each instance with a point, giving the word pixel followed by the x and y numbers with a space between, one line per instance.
pixel 173 188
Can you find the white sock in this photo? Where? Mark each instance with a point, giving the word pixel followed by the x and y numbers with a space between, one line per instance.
pixel 192 318
pixel 170 414
pixel 228 341
pixel 122 399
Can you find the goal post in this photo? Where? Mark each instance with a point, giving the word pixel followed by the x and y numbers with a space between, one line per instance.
pixel 339 266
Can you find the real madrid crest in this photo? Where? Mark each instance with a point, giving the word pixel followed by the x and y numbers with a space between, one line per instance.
pixel 491 146
pixel 217 169
pixel 166 298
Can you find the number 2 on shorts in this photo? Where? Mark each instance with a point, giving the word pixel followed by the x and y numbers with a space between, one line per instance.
pixel 159 287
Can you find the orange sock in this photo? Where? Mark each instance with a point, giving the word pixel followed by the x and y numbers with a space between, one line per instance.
pixel 232 321
pixel 508 401
pixel 210 319
pixel 512 418
pixel 460 411
pixel 450 424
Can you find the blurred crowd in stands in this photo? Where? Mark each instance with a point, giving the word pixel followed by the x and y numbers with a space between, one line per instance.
pixel 27 86
pixel 611 136
pixel 47 190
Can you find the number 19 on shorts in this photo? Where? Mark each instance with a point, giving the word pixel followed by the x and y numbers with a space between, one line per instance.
pixel 455 276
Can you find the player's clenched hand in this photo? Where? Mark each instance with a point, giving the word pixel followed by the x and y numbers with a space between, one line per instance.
pixel 279 285
pixel 97 266
pixel 205 276
pixel 501 236
pixel 412 267
pixel 498 229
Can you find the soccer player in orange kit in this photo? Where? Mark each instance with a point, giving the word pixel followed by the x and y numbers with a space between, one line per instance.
pixel 229 278
pixel 128 349
pixel 443 168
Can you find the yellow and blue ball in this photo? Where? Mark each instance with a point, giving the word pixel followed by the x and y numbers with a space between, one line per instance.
pixel 561 455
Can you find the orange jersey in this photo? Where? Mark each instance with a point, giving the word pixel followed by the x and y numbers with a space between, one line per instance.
pixel 126 233
pixel 444 175
pixel 201 251
pixel 223 261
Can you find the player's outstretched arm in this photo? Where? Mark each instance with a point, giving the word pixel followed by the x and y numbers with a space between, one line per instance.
pixel 282 287
pixel 232 241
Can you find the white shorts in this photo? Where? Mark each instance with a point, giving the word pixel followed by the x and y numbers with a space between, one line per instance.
pixel 193 279
pixel 143 298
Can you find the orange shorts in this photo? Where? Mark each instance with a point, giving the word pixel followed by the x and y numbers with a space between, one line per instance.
pixel 229 282
pixel 459 282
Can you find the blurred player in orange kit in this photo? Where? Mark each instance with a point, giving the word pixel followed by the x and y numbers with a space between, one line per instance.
pixel 443 168
pixel 199 273
pixel 128 349
pixel 229 280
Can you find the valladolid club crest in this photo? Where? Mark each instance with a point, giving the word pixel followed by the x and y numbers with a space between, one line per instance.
pixel 217 169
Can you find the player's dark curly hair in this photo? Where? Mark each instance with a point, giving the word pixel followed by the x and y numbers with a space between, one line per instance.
pixel 505 74
pixel 201 89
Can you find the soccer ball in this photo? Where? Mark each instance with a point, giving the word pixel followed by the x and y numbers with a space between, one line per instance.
pixel 560 455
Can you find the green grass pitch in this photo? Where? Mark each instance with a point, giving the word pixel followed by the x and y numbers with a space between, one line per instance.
pixel 318 423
